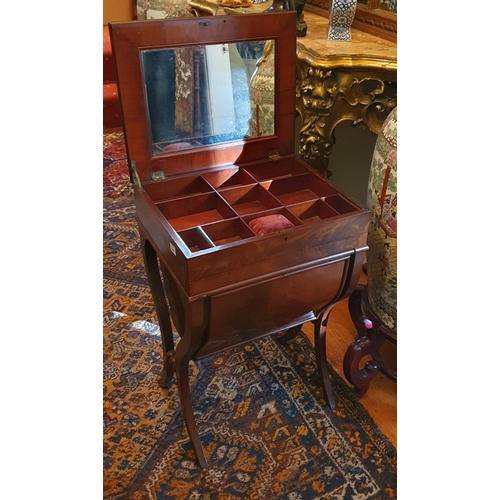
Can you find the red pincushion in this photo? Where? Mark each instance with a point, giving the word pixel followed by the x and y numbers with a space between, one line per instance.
pixel 269 224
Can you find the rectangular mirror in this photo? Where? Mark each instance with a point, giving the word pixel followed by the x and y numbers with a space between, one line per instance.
pixel 201 95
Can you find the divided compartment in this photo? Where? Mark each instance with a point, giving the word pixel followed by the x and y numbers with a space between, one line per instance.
pixel 300 188
pixel 276 169
pixel 196 239
pixel 249 199
pixel 196 211
pixel 341 204
pixel 228 231
pixel 228 178
pixel 177 188
pixel 312 211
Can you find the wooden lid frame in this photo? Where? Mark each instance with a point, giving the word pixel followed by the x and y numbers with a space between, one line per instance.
pixel 130 38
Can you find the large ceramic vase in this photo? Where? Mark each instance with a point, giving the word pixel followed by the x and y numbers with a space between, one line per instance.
pixel 381 289
pixel 262 94
pixel 342 14
pixel 382 232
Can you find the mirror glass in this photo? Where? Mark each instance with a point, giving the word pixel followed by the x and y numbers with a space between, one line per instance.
pixel 203 95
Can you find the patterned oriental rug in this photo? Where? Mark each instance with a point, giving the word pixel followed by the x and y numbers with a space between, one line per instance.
pixel 265 428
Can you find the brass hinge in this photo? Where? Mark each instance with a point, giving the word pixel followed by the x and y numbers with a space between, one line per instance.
pixel 274 155
pixel 158 176
pixel 135 176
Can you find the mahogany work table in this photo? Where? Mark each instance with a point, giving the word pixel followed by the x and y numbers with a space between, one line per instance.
pixel 203 185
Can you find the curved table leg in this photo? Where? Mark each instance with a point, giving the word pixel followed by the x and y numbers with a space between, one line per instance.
pixel 162 311
pixel 320 325
pixel 182 372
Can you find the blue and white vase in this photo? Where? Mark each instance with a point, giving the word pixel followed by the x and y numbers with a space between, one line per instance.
pixel 393 6
pixel 341 17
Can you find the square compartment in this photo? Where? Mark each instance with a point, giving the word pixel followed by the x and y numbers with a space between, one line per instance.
pixel 300 188
pixel 228 178
pixel 228 231
pixel 340 204
pixel 196 211
pixel 313 211
pixel 177 188
pixel 276 169
pixel 249 199
pixel 196 239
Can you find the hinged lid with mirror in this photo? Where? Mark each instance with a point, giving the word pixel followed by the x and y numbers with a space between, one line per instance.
pixel 194 101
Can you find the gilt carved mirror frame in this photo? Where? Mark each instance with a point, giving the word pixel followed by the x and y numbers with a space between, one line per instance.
pixel 370 17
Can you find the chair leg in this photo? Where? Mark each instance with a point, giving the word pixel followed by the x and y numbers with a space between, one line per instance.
pixel 361 378
pixel 372 333
pixel 367 342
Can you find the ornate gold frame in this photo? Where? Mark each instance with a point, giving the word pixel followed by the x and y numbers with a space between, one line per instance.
pixel 369 18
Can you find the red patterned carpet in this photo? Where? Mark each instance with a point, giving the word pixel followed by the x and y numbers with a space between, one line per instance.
pixel 265 428
pixel 116 179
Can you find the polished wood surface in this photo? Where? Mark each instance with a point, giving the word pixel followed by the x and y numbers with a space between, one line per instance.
pixel 381 399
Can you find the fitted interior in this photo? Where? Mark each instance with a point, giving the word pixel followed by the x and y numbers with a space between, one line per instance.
pixel 213 209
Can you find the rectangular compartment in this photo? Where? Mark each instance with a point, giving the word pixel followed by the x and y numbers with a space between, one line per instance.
pixel 177 188
pixel 276 169
pixel 249 199
pixel 228 231
pixel 197 211
pixel 300 188
pixel 227 178
pixel 341 204
pixel 312 211
pixel 196 239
